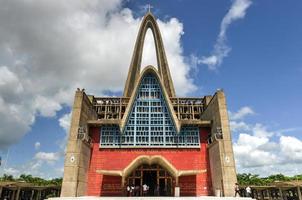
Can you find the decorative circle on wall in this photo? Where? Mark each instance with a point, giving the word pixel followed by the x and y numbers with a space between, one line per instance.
pixel 72 159
pixel 227 159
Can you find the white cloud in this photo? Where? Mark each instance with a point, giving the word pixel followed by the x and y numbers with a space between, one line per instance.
pixel 11 171
pixel 291 148
pixel 47 107
pixel 241 113
pixel 42 165
pixel 248 153
pixel 260 130
pixel 65 121
pixel 262 151
pixel 48 157
pixel 239 126
pixel 49 48
pixel 37 145
pixel 221 49
pixel 35 167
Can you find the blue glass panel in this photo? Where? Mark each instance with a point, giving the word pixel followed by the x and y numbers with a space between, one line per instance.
pixel 149 123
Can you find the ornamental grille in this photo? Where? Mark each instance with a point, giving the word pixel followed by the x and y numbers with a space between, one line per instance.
pixel 149 123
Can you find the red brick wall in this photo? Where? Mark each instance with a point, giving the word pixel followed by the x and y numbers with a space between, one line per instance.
pixel 118 159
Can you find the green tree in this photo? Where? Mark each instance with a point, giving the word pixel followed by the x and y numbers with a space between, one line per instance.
pixel 254 179
pixel 7 177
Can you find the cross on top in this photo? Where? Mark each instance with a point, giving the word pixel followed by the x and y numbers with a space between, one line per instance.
pixel 149 7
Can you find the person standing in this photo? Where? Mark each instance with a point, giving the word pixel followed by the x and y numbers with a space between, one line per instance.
pixel 248 191
pixel 132 190
pixel 128 190
pixel 237 189
pixel 137 190
pixel 145 189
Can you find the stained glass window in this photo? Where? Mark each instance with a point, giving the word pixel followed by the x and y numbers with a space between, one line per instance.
pixel 149 123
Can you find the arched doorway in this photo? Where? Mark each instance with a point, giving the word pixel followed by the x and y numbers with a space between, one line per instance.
pixel 159 181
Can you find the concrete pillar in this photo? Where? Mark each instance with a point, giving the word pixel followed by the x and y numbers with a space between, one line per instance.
pixel 77 155
pixel 262 195
pixel 177 181
pixel 299 193
pixel 281 193
pixel 1 192
pixel 13 194
pixel 32 194
pixel 269 194
pixel 18 193
pixel 38 195
pixel 221 156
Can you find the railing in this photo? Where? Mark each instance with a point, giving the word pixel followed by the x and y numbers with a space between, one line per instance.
pixel 188 108
pixel 115 107
pixel 110 107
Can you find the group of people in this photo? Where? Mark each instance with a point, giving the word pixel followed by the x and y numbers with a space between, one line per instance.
pixel 248 191
pixel 135 190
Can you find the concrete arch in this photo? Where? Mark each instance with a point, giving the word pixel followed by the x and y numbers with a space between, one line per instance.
pixel 157 159
pixel 148 159
pixel 149 21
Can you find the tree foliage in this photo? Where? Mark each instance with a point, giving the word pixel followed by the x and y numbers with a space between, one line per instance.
pixel 32 179
pixel 243 179
pixel 254 179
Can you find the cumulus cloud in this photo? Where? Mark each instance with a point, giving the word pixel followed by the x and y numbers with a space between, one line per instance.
pixel 41 165
pixel 16 115
pixel 239 126
pixel 65 121
pixel 260 150
pixel 49 157
pixel 49 48
pixel 37 145
pixel 291 148
pixel 249 154
pixel 11 171
pixel 221 49
pixel 241 113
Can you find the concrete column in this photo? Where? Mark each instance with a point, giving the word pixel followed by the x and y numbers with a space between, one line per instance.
pixel 0 192
pixel 221 157
pixel 18 193
pixel 38 195
pixel 281 193
pixel 269 194
pixel 13 194
pixel 177 181
pixel 77 155
pixel 261 194
pixel 176 188
pixel 299 193
pixel 32 194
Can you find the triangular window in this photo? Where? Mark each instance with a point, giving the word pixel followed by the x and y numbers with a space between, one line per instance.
pixel 149 122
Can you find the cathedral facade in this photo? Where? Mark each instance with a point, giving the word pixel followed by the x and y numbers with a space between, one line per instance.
pixel 174 145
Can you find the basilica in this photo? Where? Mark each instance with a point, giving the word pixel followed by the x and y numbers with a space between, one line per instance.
pixel 176 146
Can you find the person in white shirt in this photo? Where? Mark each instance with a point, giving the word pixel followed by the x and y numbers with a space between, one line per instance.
pixel 132 190
pixel 128 191
pixel 248 191
pixel 145 189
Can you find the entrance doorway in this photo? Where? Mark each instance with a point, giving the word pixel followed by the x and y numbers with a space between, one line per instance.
pixel 158 180
pixel 150 179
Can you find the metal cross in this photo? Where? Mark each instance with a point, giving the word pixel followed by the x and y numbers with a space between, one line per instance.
pixel 149 7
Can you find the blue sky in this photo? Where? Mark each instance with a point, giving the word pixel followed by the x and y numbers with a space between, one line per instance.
pixel 48 49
